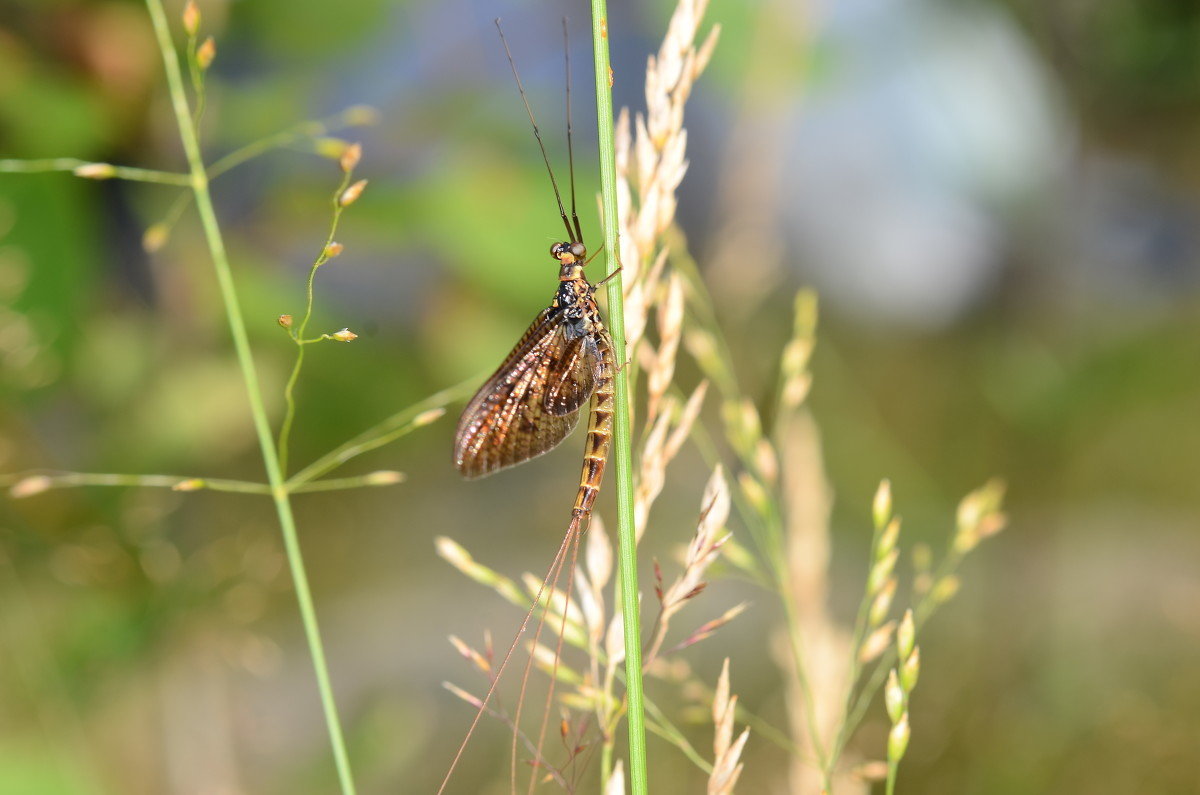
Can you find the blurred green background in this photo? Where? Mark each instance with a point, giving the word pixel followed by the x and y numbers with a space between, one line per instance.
pixel 998 203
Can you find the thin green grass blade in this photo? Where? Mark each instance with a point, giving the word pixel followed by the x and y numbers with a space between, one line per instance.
pixel 622 433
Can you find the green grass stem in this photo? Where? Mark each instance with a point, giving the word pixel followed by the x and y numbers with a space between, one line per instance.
pixel 27 484
pixel 241 343
pixel 622 455
pixel 109 170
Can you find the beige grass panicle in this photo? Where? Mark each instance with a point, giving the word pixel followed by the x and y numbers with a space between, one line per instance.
pixel 651 159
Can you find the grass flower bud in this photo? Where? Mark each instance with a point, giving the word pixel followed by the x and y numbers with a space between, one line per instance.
pixel 881 508
pixel 95 171
pixel 205 54
pixel 898 739
pixel 191 18
pixel 351 194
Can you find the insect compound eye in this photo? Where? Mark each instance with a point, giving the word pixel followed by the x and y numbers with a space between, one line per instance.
pixel 557 250
pixel 578 250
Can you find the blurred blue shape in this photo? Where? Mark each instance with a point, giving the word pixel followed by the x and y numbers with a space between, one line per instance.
pixel 935 123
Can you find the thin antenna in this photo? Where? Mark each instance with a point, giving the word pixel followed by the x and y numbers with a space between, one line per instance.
pixel 570 152
pixel 536 134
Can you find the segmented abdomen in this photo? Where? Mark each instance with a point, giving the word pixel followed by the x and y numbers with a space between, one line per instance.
pixel 595 452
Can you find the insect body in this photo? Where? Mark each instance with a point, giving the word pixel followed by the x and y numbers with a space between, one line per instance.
pixel 532 402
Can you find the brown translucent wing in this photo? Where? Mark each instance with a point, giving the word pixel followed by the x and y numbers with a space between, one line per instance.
pixel 507 421
pixel 572 384
pixel 547 320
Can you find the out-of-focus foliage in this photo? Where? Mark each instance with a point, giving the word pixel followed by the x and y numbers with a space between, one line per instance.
pixel 1034 320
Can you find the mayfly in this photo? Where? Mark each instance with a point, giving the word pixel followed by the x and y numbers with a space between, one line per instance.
pixel 533 400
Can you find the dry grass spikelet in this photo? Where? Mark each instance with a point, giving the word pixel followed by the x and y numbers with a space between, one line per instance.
pixel 702 551
pixel 705 544
pixel 726 750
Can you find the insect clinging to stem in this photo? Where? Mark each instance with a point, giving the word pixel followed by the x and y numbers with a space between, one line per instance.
pixel 533 401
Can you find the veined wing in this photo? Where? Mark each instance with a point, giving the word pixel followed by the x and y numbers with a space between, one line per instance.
pixel 508 421
pixel 571 385
pixel 547 320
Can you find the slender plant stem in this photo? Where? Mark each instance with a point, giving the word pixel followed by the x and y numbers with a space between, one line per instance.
pixel 395 426
pixel 606 762
pixel 175 210
pixel 358 481
pixel 197 75
pixel 797 647
pixel 680 742
pixel 43 481
pixel 289 391
pixel 27 484
pixel 351 117
pixel 237 328
pixel 622 433
pixel 113 172
pixel 662 726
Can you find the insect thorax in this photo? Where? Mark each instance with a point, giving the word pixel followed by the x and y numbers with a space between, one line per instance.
pixel 574 298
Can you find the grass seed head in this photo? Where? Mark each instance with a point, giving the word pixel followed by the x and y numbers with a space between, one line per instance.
pixel 95 171
pixel 463 694
pixel 888 538
pixel 881 509
pixel 898 739
pixel 877 642
pixel 27 487
pixel 205 53
pixel 191 18
pixel 428 417
pixel 351 194
pixel 882 603
pixel 350 157
pixel 881 572
pixel 384 477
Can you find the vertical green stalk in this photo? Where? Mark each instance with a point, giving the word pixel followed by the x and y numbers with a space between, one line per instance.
pixel 241 344
pixel 622 434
